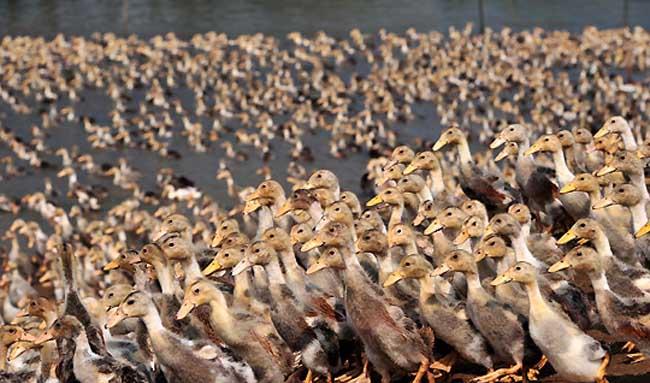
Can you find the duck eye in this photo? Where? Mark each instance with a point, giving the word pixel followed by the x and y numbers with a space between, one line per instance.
pixel 512 129
pixel 579 253
pixel 518 268
pixel 612 121
pixel 389 192
pixel 319 176
pixel 331 252
pixel 400 152
pixel 337 209
pixel 110 295
pixel 263 186
pixel 12 331
pixel 272 236
pixel 344 197
pixel 226 255
pixel 473 223
pixel 145 251
pixel 169 221
pixel 257 250
pixel 492 243
pixel 582 225
pixel 331 230
pixel 130 302
pixel 581 178
pixel 197 290
pixel 241 250
pixel 57 325
pixel 546 139
pixel 455 256
pixel 399 231
pixel 448 214
pixel 407 264
pixel 498 220
pixel 300 231
pixel 621 190
pixel 171 244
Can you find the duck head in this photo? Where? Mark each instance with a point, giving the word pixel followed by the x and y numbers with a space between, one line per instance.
pixel 410 267
pixel 581 258
pixel 521 272
pixel 457 260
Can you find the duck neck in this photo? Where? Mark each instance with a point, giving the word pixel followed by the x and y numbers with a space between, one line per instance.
pixel 629 142
pixel 165 278
pixel 152 321
pixel 537 301
pixel 522 253
pixel 464 153
pixel 424 195
pixel 396 215
pixel 220 314
pixel 504 263
pixel 386 265
pixel 315 211
pixel 601 243
pixel 437 182
pixel 242 290
pixel 599 282
pixel 274 272
pixel 294 273
pixel 3 357
pixel 638 180
pixel 639 215
pixel 191 269
pixel 427 287
pixel 475 290
pixel 564 175
pixel 265 217
pixel 595 195
pixel 81 342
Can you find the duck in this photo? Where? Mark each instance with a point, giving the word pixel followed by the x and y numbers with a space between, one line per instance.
pixel 87 365
pixel 176 356
pixel 575 356
pixel 319 349
pixel 494 320
pixel 251 337
pixel 390 339
pixel 618 125
pixel 632 167
pixel 475 183
pixel 443 311
pixel 624 317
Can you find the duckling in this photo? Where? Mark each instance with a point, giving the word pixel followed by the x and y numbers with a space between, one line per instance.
pixel 390 339
pixel 89 366
pixel 442 310
pixel 576 356
pixel 179 361
pixel 624 317
pixel 493 319
pixel 249 336
pixel 319 353
pixel 394 198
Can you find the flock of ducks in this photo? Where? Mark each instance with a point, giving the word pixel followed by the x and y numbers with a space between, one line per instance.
pixel 462 265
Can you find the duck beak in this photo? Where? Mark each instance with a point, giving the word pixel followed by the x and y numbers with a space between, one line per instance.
pixel 284 209
pixel 241 266
pixel 502 154
pixel 44 337
pixel 216 240
pixel 135 260
pixel 433 227
pixel 376 200
pixel 489 231
pixel 308 186
pixel 441 269
pixel 532 150
pixel 567 237
pixel 22 313
pixel 311 244
pixel 568 188
pixel 252 196
pixel 461 237
pixel 48 276
pixel 643 231
pixel 393 278
pixel 497 142
pixel 558 266
pixel 480 255
pixel 602 132
pixel 115 317
pixel 582 241
pixel 501 280
pixel 409 169
pixel 112 265
pixel 640 154
pixel 212 267
pixel 418 219
pixel 251 206
pixel 605 170
pixel 603 203
pixel 17 349
pixel 316 267
pixel 441 143
pixel 185 310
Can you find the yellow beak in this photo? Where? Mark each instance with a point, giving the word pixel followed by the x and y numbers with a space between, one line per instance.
pixel 252 196
pixel 17 349
pixel 643 231
pixel 441 143
pixel 502 154
pixel 212 267
pixel 567 237
pixel 185 310
pixel 497 142
pixel 376 200
pixel 418 219
pixel 409 169
pixel 605 170
pixel 602 132
pixel 488 231
pixel 501 280
pixel 532 150
pixel 441 269
pixel 251 206
pixel 115 316
pixel 568 188
pixel 112 265
pixel 311 244
pixel 284 209
pixel 603 203
pixel 316 267
pixel 393 278
pixel 433 227
pixel 558 266
pixel 582 241
pixel 461 237
pixel 44 337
